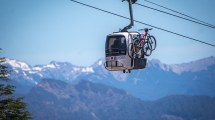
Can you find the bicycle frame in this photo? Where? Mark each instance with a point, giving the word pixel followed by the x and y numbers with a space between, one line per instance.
pixel 142 38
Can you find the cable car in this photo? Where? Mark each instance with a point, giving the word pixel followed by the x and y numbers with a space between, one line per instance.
pixel 119 52
pixel 119 49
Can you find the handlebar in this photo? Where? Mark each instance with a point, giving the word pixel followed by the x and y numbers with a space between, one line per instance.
pixel 145 29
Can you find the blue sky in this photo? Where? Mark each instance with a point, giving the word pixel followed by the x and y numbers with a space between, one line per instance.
pixel 40 31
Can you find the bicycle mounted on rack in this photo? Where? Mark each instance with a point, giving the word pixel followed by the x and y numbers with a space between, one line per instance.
pixel 143 44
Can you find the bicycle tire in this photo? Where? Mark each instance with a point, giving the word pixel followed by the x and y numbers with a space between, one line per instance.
pixel 146 50
pixel 151 42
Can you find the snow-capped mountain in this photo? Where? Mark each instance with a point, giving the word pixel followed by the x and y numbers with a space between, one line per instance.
pixel 193 66
pixel 56 70
pixel 153 82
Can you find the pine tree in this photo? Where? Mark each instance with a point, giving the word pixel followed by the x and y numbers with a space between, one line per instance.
pixel 11 108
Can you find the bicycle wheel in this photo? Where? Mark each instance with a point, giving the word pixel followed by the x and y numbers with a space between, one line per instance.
pixel 146 50
pixel 151 42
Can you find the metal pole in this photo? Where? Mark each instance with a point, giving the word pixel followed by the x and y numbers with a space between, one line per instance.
pixel 125 29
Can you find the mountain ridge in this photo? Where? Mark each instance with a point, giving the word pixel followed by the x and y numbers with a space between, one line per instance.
pixel 155 81
pixel 203 64
pixel 93 101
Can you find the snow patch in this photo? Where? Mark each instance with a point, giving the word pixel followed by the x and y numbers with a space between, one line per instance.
pixel 100 62
pixel 16 71
pixel 35 82
pixel 50 66
pixel 118 75
pixel 40 74
pixel 88 69
pixel 18 64
pixel 94 115
pixel 24 73
pixel 37 68
pixel 32 72
pixel 76 69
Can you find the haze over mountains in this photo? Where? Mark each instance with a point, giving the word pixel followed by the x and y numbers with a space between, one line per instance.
pixel 62 91
pixel 57 100
pixel 156 81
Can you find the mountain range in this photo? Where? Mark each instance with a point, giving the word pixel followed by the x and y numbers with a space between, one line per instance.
pixel 57 100
pixel 157 80
pixel 63 91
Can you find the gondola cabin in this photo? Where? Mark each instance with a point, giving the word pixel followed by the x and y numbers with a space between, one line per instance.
pixel 119 52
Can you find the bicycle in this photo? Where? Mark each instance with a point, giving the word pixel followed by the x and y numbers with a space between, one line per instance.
pixel 144 44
